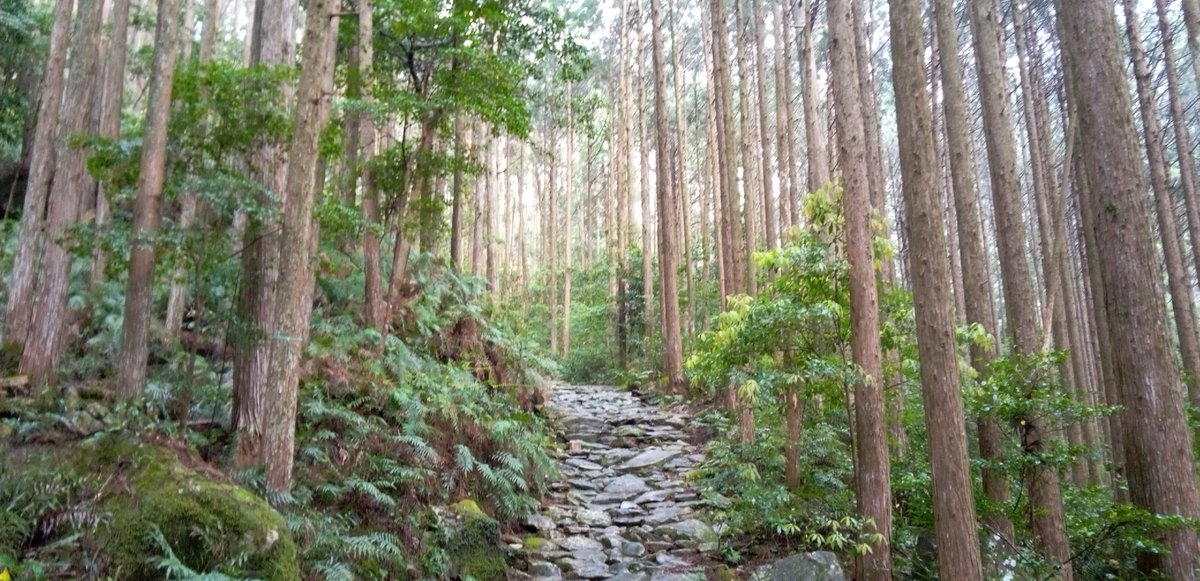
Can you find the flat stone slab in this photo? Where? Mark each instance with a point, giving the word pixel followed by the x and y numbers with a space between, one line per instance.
pixel 626 484
pixel 651 457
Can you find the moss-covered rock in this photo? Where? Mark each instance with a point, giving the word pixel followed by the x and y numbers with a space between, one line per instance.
pixel 474 547
pixel 210 525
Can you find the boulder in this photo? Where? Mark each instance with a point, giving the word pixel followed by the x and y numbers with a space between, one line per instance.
pixel 474 548
pixel 815 566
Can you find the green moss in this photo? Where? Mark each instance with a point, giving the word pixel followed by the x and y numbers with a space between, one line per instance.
pixel 468 509
pixel 474 548
pixel 535 543
pixel 208 524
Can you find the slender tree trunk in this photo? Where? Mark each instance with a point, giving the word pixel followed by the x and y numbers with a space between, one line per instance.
pixel 18 310
pixel 872 473
pixel 1188 178
pixel 680 191
pixel 644 194
pixel 372 265
pixel 751 174
pixel 764 133
pixel 456 188
pixel 1161 473
pixel 293 305
pixel 1046 512
pixel 135 338
pixel 788 197
pixel 111 98
pixel 1177 280
pixel 49 321
pixel 953 505
pixel 568 244
pixel 671 339
pixel 550 245
pixel 732 245
pixel 814 122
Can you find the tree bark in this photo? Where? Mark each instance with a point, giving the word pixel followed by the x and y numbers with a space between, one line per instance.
pixel 1177 279
pixel 568 245
pixel 672 342
pixel 814 121
pixel 648 323
pixel 293 301
pixel 260 251
pixel 18 310
pixel 1046 512
pixel 135 337
pixel 111 98
pixel 49 319
pixel 953 504
pixel 1159 452
pixel 751 173
pixel 789 198
pixel 872 474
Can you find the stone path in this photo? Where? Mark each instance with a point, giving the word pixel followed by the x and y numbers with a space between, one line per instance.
pixel 623 510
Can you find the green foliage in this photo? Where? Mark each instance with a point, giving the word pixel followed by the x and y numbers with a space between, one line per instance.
pixel 794 337
pixel 24 34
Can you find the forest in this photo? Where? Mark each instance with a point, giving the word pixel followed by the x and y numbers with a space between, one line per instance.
pixel 637 290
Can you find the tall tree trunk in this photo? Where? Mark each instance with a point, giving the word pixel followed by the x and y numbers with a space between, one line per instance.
pixel 210 30
pixel 18 310
pixel 814 121
pixel 456 197
pixel 48 324
pixel 1161 473
pixel 1177 279
pixel 293 305
pixel 680 191
pixel 111 98
pixel 1046 512
pixel 764 125
pixel 953 505
pixel 1188 179
pixel 568 244
pixel 643 136
pixel 732 243
pixel 872 473
pixel 789 199
pixel 751 173
pixel 551 243
pixel 135 337
pixel 260 251
pixel 671 340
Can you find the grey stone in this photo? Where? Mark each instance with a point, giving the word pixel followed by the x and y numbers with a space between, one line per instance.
pixel 582 464
pixel 630 576
pixel 653 496
pixel 632 549
pixel 651 457
pixel 586 569
pixel 540 522
pixel 544 570
pixel 815 566
pixel 689 531
pixel 626 484
pixel 666 514
pixel 577 543
pixel 595 518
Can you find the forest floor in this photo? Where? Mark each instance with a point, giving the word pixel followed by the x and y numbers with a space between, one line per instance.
pixel 623 509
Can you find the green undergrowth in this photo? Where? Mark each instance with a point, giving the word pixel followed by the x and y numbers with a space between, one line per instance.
pixel 441 408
